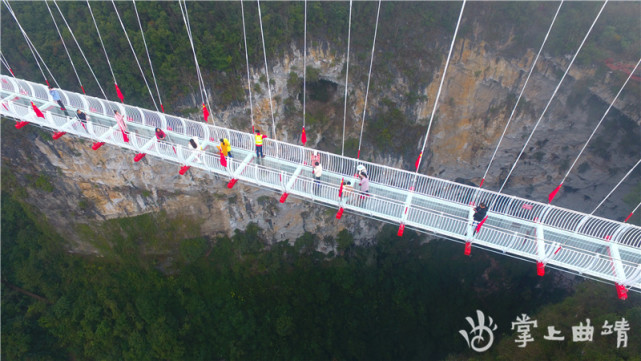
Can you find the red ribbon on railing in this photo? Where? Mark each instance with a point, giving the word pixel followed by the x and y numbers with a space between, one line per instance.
pixel 38 112
pixel 478 227
pixel 223 160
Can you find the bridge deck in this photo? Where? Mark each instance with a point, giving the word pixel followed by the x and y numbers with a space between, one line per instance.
pixel 570 240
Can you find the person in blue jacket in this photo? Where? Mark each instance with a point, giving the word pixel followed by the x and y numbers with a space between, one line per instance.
pixel 56 97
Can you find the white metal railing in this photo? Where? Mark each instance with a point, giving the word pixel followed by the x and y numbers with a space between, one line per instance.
pixel 436 205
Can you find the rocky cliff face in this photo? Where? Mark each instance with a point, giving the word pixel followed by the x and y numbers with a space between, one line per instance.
pixel 73 185
pixel 479 93
pixel 478 96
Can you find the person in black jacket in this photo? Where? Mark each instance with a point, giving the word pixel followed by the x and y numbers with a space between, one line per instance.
pixel 82 117
pixel 479 214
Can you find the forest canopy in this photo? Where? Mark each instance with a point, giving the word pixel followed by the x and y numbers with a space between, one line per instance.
pixel 238 298
pixel 408 31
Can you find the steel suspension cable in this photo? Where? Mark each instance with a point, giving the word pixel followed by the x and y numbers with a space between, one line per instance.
pixel 251 105
pixel 191 36
pixel 615 187
pixel 32 47
pixel 369 76
pixel 262 35
pixel 148 56
pixel 6 64
pixel 551 196
pixel 631 213
pixel 65 46
pixel 188 27
pixel 103 47
pixel 201 82
pixel 349 36
pixel 438 93
pixel 135 56
pixel 521 94
pixel 79 48
pixel 304 136
pixel 550 101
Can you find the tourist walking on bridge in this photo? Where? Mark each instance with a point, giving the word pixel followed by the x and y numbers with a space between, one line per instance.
pixel 317 171
pixel 259 144
pixel 122 125
pixel 56 97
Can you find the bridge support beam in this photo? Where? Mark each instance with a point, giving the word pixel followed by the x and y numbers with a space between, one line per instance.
pixel 240 170
pixel 408 204
pixel 540 243
pixel 146 146
pixel 103 137
pixel 290 184
pixel 540 247
pixel 470 231
pixel 617 265
pixel 619 272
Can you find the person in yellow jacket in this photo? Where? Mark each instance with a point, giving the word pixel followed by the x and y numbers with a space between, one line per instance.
pixel 225 147
pixel 259 144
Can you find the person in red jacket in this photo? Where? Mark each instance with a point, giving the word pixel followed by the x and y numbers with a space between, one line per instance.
pixel 160 135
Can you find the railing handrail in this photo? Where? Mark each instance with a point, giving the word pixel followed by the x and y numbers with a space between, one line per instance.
pixel 562 215
pixel 587 230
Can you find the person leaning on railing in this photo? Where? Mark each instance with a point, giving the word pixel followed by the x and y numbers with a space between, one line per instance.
pixel 348 190
pixel 193 144
pixel 82 117
pixel 225 148
pixel 160 135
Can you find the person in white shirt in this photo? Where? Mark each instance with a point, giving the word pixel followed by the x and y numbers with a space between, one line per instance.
pixel 193 144
pixel 317 171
